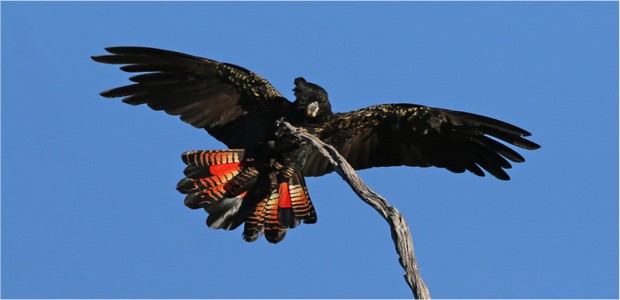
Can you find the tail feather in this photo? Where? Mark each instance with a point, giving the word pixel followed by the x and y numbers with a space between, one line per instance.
pixel 300 200
pixel 189 185
pixel 205 192
pixel 196 172
pixel 255 222
pixel 223 213
pixel 286 217
pixel 269 199
pixel 204 198
pixel 274 231
pixel 212 157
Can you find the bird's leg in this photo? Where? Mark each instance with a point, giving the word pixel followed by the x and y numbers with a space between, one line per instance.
pixel 282 131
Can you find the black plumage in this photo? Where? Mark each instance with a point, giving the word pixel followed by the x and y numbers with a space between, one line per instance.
pixel 259 181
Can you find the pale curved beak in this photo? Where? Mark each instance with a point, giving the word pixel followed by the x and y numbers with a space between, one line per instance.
pixel 312 109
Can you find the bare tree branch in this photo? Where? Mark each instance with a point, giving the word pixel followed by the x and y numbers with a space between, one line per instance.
pixel 398 226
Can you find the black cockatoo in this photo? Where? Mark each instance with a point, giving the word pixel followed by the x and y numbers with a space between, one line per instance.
pixel 259 180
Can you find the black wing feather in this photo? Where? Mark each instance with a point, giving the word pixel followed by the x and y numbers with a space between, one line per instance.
pixel 235 105
pixel 414 135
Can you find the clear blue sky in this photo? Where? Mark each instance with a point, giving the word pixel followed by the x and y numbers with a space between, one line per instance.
pixel 89 206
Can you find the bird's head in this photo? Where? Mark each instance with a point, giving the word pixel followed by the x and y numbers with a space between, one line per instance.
pixel 311 100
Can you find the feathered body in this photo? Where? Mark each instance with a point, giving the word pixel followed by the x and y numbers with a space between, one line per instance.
pixel 259 180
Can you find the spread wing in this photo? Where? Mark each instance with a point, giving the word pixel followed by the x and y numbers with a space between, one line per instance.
pixel 413 135
pixel 235 105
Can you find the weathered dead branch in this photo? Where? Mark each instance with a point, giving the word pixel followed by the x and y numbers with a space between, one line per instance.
pixel 398 226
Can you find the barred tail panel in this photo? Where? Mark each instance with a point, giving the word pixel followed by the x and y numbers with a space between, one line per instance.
pixel 206 163
pixel 255 222
pixel 274 232
pixel 204 198
pixel 267 198
pixel 189 185
pixel 243 182
pixel 212 157
pixel 300 200
pixel 205 192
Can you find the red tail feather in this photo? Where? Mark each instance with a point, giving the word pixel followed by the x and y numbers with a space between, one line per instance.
pixel 225 168
pixel 233 191
pixel 284 201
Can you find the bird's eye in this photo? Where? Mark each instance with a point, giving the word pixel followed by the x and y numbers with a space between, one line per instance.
pixel 312 110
